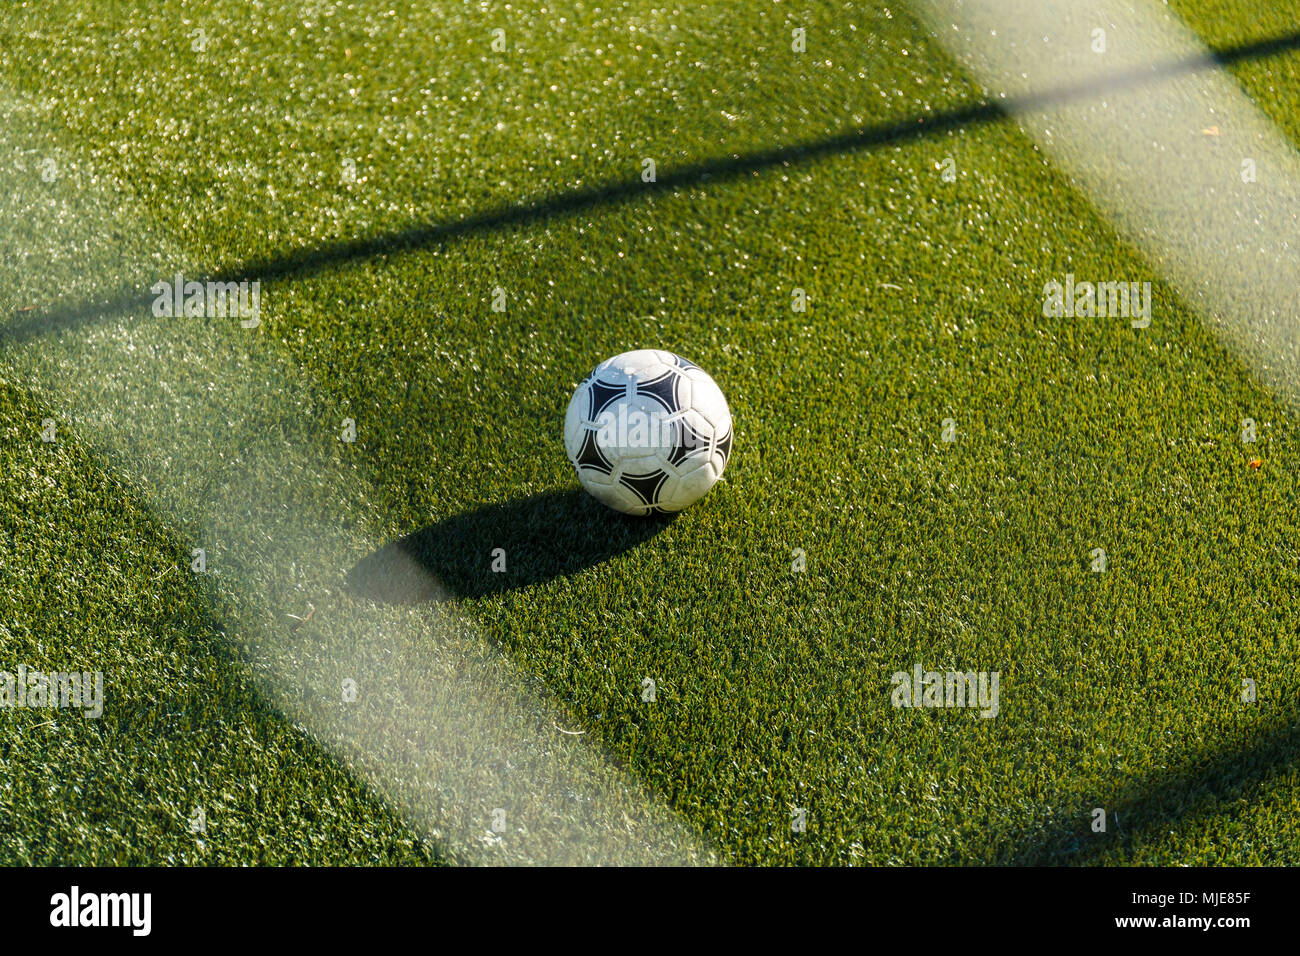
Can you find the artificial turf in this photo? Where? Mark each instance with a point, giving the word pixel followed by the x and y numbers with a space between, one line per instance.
pixel 521 170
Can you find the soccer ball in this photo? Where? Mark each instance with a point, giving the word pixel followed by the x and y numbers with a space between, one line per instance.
pixel 648 432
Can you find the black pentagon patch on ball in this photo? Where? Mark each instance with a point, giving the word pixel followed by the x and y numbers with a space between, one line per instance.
pixel 602 395
pixel 664 389
pixel 724 446
pixel 645 487
pixel 684 363
pixel 688 440
pixel 590 455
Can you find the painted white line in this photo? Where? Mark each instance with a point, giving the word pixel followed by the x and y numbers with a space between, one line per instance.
pixel 1181 161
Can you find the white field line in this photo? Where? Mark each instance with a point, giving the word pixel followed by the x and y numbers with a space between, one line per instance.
pixel 444 727
pixel 1162 153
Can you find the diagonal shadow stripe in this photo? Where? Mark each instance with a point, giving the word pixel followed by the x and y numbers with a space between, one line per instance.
pixel 1207 783
pixel 305 262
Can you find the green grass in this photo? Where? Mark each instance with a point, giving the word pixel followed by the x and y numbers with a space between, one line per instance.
pixel 1119 690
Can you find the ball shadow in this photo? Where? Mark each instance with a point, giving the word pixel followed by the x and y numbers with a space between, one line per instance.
pixel 541 537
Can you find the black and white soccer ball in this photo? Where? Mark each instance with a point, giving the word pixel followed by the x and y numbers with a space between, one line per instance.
pixel 648 432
